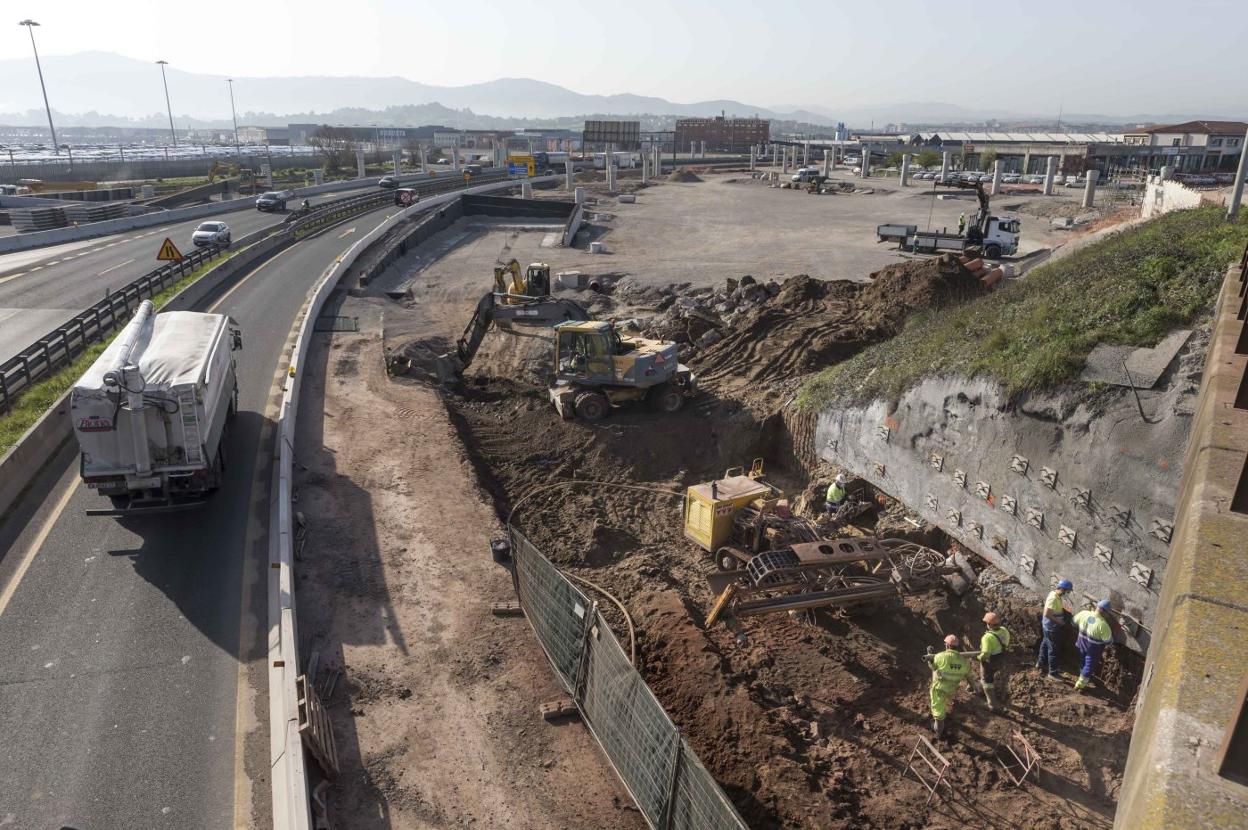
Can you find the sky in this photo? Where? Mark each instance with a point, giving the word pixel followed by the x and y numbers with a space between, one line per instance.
pixel 1116 57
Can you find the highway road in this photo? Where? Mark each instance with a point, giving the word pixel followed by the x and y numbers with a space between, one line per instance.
pixel 44 287
pixel 133 686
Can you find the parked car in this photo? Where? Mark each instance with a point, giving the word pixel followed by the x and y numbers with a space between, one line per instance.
pixel 271 201
pixel 1011 178
pixel 472 170
pixel 1035 179
pixel 388 182
pixel 211 234
pixel 803 174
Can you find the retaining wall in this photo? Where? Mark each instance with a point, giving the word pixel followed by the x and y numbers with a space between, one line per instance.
pixel 1043 489
pixel 1162 196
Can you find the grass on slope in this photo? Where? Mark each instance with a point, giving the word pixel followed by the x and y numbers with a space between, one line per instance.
pixel 34 400
pixel 1130 289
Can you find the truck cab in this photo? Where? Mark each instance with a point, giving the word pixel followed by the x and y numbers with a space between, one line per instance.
pixel 1001 238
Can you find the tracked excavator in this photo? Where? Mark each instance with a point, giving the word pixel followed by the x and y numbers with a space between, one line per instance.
pixel 596 367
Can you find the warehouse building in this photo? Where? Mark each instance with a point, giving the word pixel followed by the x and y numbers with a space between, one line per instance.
pixel 723 135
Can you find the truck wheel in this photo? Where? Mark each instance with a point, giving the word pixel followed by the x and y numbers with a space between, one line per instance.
pixel 592 406
pixel 993 251
pixel 666 398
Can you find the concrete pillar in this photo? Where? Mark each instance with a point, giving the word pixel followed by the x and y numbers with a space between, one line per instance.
pixel 827 162
pixel 568 175
pixel 1089 190
pixel 806 154
pixel 784 159
pixel 905 169
pixel 526 189
pixel 1026 162
pixel 997 167
pixel 866 162
pixel 693 148
pixel 578 195
pixel 398 162
pixel 424 166
pixel 944 165
pixel 359 164
pixel 645 170
pixel 318 177
pixel 610 165
pixel 455 157
pixel 1050 170
pixel 703 149
pixel 1237 192
pixel 753 157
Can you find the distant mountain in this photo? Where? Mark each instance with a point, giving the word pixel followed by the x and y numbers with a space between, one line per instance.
pixel 103 82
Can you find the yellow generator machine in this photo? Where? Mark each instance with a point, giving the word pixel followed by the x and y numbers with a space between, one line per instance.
pixel 726 517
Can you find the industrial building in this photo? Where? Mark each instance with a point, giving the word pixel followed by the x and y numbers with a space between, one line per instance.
pixel 1190 147
pixel 723 135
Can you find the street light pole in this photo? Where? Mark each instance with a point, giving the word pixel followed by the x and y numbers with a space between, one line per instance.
pixel 30 27
pixel 238 152
pixel 168 106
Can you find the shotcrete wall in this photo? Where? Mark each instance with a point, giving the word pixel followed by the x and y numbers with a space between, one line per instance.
pixel 1045 489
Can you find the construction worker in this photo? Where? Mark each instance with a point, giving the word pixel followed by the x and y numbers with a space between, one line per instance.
pixel 836 494
pixel 992 646
pixel 949 669
pixel 1055 615
pixel 962 223
pixel 1095 634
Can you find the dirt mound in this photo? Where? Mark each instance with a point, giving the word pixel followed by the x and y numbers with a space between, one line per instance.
pixel 683 175
pixel 809 324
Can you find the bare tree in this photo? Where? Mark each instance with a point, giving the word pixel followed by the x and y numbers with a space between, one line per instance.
pixel 337 145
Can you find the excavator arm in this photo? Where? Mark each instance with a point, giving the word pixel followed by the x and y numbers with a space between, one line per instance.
pixel 543 312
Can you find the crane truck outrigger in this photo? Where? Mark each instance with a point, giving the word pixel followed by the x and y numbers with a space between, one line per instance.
pixel 595 366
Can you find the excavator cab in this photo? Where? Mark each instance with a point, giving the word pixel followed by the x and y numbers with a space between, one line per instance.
pixel 534 284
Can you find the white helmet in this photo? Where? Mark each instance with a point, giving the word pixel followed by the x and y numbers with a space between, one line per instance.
pixel 840 479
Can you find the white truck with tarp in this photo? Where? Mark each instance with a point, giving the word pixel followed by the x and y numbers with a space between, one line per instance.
pixel 151 413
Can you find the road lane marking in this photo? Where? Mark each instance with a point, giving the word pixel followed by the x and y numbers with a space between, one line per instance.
pixel 114 268
pixel 3 280
pixel 254 271
pixel 347 232
pixel 36 544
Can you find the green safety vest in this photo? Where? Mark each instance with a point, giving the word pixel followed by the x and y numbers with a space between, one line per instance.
pixel 835 493
pixel 1093 626
pixel 994 641
pixel 948 670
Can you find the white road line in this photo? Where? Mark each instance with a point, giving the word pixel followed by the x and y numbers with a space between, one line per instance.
pixel 3 280
pixel 37 543
pixel 347 232
pixel 114 268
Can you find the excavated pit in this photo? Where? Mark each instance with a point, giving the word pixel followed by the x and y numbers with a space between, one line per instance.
pixel 806 721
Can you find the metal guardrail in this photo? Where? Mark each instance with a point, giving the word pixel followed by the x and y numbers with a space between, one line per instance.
pixel 67 341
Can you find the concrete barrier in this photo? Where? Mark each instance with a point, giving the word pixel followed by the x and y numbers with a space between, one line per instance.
pixel 291 807
pixel 1185 768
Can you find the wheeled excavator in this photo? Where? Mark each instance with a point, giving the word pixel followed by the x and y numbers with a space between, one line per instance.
pixel 596 367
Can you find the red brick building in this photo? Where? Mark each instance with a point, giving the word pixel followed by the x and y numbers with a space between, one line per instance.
pixel 722 135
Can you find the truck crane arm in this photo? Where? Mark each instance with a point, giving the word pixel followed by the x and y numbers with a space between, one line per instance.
pixel 981 219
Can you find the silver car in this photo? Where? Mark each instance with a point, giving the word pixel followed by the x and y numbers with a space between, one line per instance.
pixel 216 234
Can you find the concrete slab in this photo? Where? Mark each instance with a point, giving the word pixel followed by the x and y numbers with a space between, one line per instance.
pixel 1146 365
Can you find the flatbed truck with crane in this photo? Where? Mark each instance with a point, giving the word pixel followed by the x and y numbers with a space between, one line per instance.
pixel 996 236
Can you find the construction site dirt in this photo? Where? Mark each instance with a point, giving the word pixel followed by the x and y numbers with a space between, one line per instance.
pixel 806 720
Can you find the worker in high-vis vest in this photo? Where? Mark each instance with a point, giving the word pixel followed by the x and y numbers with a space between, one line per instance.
pixel 992 646
pixel 1054 616
pixel 949 669
pixel 962 224
pixel 836 494
pixel 1095 634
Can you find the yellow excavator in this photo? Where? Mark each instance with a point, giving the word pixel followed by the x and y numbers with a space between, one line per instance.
pixel 596 368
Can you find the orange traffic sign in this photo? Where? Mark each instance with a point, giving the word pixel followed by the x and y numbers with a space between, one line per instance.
pixel 169 251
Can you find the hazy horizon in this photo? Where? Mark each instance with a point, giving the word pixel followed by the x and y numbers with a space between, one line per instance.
pixel 1116 61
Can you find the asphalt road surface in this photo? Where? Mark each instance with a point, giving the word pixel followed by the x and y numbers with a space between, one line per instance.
pixel 44 287
pixel 123 698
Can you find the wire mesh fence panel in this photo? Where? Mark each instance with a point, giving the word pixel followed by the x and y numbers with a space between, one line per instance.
pixel 697 801
pixel 554 607
pixel 628 721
